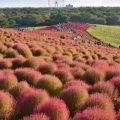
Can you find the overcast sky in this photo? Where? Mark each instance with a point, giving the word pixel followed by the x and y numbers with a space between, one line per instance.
pixel 44 3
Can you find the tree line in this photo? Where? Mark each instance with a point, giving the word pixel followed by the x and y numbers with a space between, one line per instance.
pixel 23 17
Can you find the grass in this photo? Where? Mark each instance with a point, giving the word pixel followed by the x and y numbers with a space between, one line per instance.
pixel 106 34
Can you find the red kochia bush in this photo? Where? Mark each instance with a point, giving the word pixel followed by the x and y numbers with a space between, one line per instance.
pixel 106 88
pixel 74 97
pixel 93 76
pixel 28 74
pixel 48 68
pixel 7 105
pixel 101 64
pixel 76 83
pixel 100 101
pixel 55 109
pixel 112 72
pixel 116 82
pixel 95 114
pixel 29 100
pixel 118 115
pixel 36 117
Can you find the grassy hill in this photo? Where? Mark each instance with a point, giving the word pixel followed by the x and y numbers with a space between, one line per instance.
pixel 107 34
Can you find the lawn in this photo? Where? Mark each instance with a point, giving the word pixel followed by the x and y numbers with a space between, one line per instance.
pixel 107 34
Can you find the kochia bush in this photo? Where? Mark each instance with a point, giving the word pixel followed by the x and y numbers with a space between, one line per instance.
pixel 75 97
pixel 29 99
pixel 55 109
pixel 95 114
pixel 50 83
pixel 36 117
pixel 93 76
pixel 7 105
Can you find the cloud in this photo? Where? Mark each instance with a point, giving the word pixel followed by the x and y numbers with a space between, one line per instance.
pixel 44 3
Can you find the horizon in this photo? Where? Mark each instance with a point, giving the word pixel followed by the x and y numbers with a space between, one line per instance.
pixel 44 3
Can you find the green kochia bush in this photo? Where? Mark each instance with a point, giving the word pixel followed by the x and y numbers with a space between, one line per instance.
pixel 74 97
pixel 50 83
pixel 7 80
pixel 7 105
pixel 23 50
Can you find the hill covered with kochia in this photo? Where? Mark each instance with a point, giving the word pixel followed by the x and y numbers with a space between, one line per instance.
pixel 58 72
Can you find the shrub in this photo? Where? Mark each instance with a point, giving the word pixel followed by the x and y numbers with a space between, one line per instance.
pixel 5 64
pixel 74 97
pixel 65 59
pixel 117 104
pixel 36 117
pixel 3 48
pixel 50 83
pixel 77 72
pixel 76 83
pixel 38 51
pixel 55 109
pixel 112 72
pixel 100 101
pixel 101 64
pixel 7 80
pixel 17 62
pixel 118 115
pixel 23 50
pixel 29 99
pixel 63 66
pixel 93 76
pixel 106 88
pixel 32 62
pixel 7 105
pixel 30 75
pixel 48 68
pixel 19 88
pixel 11 53
pixel 116 82
pixel 95 114
pixel 64 75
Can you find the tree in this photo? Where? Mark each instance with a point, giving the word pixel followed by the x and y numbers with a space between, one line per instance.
pixel 4 22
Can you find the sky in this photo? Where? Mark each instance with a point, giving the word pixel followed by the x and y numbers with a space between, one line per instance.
pixel 44 3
